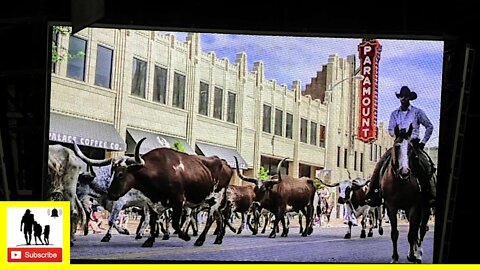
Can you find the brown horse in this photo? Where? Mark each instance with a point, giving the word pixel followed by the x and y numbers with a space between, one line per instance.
pixel 401 190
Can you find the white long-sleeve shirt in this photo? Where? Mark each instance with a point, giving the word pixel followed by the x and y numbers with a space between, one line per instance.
pixel 414 116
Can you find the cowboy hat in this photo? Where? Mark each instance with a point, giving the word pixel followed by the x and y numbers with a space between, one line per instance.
pixel 405 92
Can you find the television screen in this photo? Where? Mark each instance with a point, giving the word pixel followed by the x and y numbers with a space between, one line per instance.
pixel 329 105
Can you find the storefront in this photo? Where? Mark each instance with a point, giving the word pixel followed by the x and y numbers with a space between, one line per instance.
pixel 94 138
pixel 155 140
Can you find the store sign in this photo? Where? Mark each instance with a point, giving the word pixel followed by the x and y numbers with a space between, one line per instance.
pixel 369 55
pixel 65 138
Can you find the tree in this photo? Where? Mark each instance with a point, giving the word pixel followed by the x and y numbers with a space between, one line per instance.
pixel 60 53
pixel 262 174
pixel 179 146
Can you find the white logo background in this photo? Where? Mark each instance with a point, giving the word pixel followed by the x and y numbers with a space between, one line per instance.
pixel 16 255
pixel 16 238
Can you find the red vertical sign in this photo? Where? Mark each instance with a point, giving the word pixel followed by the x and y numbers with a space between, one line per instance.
pixel 369 55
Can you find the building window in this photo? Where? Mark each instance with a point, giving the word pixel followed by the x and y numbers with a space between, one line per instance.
pixel 322 136
pixel 203 101
pixel 361 162
pixel 278 122
pixel 218 103
pixel 160 85
pixel 289 126
pixel 267 118
pixel 303 130
pixel 355 161
pixel 338 156
pixel 375 153
pixel 76 60
pixel 103 68
pixel 231 107
pixel 379 151
pixel 178 91
pixel 313 133
pixel 345 158
pixel 139 77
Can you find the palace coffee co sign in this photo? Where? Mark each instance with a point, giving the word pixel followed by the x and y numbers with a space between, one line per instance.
pixel 369 55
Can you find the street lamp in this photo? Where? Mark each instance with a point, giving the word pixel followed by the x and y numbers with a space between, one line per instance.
pixel 330 99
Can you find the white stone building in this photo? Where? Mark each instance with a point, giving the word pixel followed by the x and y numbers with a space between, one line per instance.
pixel 126 84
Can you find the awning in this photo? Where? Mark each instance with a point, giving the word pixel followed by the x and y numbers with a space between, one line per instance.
pixel 154 141
pixel 90 133
pixel 224 153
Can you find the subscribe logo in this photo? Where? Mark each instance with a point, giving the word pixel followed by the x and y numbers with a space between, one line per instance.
pixel 41 234
pixel 35 255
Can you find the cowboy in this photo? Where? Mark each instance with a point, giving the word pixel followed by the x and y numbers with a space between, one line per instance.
pixel 402 117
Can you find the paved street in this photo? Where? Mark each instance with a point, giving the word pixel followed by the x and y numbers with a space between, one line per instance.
pixel 324 245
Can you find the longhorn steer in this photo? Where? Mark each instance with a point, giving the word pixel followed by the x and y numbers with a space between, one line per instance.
pixel 352 193
pixel 285 195
pixel 239 200
pixel 96 187
pixel 172 178
pixel 63 171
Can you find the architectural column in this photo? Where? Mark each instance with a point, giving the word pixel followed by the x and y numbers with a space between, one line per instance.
pixel 119 77
pixel 193 57
pixel 296 129
pixel 260 76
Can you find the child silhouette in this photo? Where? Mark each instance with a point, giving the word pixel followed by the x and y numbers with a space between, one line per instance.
pixel 37 232
pixel 46 234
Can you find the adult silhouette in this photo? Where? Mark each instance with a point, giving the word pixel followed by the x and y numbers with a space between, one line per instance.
pixel 27 224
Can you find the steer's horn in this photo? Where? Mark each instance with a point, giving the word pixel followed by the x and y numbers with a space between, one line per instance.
pixel 251 180
pixel 89 161
pixel 328 185
pixel 278 168
pixel 137 159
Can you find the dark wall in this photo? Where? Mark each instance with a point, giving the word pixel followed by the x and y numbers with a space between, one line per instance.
pixel 24 78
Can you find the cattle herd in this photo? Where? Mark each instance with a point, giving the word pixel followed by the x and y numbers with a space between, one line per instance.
pixel 172 188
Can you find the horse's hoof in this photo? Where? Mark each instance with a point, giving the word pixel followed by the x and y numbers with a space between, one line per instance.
pixel 138 237
pixel 199 243
pixel 347 236
pixel 310 230
pixel 218 241
pixel 413 259
pixel 148 243
pixel 370 234
pixel 185 237
pixel 106 238
pixel 380 231
pixel 363 235
pixel 272 235
pixel 166 237
pixel 195 234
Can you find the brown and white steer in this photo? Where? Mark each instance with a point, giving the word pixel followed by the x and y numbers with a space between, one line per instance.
pixel 239 200
pixel 174 179
pixel 285 195
pixel 352 193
